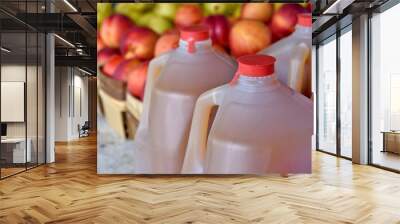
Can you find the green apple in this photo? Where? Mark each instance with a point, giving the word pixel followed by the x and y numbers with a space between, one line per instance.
pixel 144 19
pixel 236 11
pixel 234 8
pixel 141 6
pixel 216 8
pixel 167 10
pixel 103 10
pixel 127 10
pixel 159 24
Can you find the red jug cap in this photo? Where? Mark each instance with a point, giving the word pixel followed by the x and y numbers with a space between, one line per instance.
pixel 256 65
pixel 195 33
pixel 304 19
pixel 192 34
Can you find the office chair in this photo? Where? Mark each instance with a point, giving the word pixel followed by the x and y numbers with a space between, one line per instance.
pixel 84 130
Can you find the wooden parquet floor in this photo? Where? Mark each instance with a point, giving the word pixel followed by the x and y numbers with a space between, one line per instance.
pixel 70 191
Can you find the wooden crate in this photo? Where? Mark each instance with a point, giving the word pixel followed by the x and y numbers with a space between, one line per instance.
pixel 114 112
pixel 114 88
pixel 121 110
pixel 134 106
pixel 131 125
pixel 134 110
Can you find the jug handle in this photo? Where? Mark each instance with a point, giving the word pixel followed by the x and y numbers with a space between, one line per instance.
pixel 296 76
pixel 197 144
pixel 157 63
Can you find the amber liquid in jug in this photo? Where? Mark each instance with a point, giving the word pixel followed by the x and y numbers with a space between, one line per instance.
pixel 175 81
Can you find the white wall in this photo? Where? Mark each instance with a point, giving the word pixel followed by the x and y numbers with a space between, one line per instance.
pixel 71 94
pixel 61 103
pixel 33 126
pixel 81 100
pixel 16 73
pixel 10 73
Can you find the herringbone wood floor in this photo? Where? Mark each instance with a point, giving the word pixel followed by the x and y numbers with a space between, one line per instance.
pixel 70 191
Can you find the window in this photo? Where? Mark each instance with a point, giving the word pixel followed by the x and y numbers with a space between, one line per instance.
pixel 346 95
pixel 327 96
pixel 385 89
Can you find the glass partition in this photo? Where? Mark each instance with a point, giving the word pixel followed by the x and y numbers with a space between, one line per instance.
pixel 15 151
pixel 327 96
pixel 41 97
pixel 22 101
pixel 32 97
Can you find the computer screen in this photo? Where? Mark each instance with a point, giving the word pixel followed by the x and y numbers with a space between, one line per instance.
pixel 3 129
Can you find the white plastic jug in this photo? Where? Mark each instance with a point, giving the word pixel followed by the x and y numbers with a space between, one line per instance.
pixel 175 81
pixel 261 125
pixel 293 56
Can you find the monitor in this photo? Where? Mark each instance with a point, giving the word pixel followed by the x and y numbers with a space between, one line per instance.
pixel 3 129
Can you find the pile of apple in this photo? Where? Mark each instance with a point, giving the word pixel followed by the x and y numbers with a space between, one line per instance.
pixel 131 34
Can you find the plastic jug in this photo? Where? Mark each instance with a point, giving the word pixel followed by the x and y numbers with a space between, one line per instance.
pixel 175 81
pixel 293 55
pixel 261 126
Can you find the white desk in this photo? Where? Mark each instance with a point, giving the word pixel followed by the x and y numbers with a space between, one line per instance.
pixel 19 149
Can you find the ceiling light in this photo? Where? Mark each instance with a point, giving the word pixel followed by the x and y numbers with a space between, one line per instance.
pixel 337 7
pixel 70 5
pixel 64 40
pixel 328 10
pixel 5 49
pixel 84 71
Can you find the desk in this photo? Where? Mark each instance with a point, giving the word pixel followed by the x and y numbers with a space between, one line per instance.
pixel 391 141
pixel 18 151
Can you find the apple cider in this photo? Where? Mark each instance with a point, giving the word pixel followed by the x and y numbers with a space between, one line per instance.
pixel 293 54
pixel 175 81
pixel 261 125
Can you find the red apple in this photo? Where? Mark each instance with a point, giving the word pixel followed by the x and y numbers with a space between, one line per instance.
pixel 274 37
pixel 257 11
pixel 112 64
pixel 138 42
pixel 188 14
pixel 113 28
pixel 284 20
pixel 233 21
pixel 100 43
pixel 166 42
pixel 172 31
pixel 219 29
pixel 249 37
pixel 124 68
pixel 137 80
pixel 105 54
pixel 309 7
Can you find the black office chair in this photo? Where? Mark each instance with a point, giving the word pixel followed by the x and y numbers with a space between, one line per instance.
pixel 84 130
